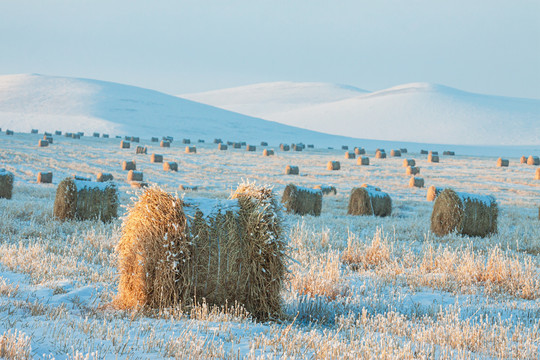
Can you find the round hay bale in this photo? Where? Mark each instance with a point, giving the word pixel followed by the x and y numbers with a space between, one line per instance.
pixel 433 153
pixel 344 147
pixel 129 165
pixel 297 147
pixel 164 144
pixel 9 132
pixel 433 192
pixel 537 177
pixel 191 150
pixel 218 141
pixel 412 170
pixel 170 166
pixel 154 139
pixel 326 189
pixel 449 153
pixel 186 141
pixel 416 182
pixel 134 139
pixel 466 214
pixel 141 150
pixel 523 160
pixel 57 133
pixel 85 200
pixel 359 151
pixel 302 201
pixel 264 143
pixel 268 152
pixel 333 165
pixel 102 177
pixel 395 153
pixel 188 187
pixel 502 162
pixel 169 139
pixel 44 177
pixel 251 148
pixel 43 143
pixel 135 175
pixel 68 134
pixel 125 144
pixel 409 162
pixel 423 152
pixel 350 155
pixel 200 141
pixel 284 147
pixel 48 138
pixel 362 160
pixel 237 145
pixel 105 136
pixel 222 146
pixel 310 146
pixel 403 150
pixel 292 170
pixel 433 158
pixel 369 200
pixel 156 158
pixel 533 160
pixel 6 184
pixel 380 154
pixel 34 131
pixel 96 134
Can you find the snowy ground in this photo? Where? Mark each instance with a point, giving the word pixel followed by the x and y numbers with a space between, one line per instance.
pixel 405 293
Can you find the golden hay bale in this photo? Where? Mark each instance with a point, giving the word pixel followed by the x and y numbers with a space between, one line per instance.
pixel 344 147
pixel 154 139
pixel 76 136
pixel 191 150
pixel 48 138
pixel 416 182
pixel 6 184
pixel 251 148
pixel 433 192
pixel 403 150
pixel 43 143
pixel 34 131
pixel 264 143
pixel 102 177
pixel 141 150
pixel 284 147
pixel 105 136
pixel 129 165
pixel 537 177
pixel 218 141
pixel 156 158
pixel 188 187
pixel 268 152
pixel 523 160
pixel 125 144
pixel 502 162
pixel 302 201
pixel 350 155
pixel 96 134
pixel 85 200
pixel 297 147
pixel 326 189
pixel 134 139
pixel 449 153
pixel 237 145
pixel 380 154
pixel 222 146
pixel 533 160
pixel 409 162
pixel 359 151
pixel 395 153
pixel 44 177
pixel 433 158
pixel 138 184
pixel 169 139
pixel 135 175
pixel 201 141
pixel 369 200
pixel 466 214
pixel 412 170
pixel 186 141
pixel 311 146
pixel 292 170
pixel 57 132
pixel 333 165
pixel 433 153
pixel 9 132
pixel 170 166
pixel 164 143
pixel 362 160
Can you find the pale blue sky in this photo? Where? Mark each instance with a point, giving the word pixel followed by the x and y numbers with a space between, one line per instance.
pixel 485 46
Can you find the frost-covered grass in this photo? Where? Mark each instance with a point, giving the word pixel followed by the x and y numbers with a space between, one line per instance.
pixel 358 287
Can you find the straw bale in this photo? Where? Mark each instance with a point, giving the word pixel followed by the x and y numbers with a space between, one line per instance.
pixel 359 151
pixel 408 162
pixel 310 146
pixel 523 160
pixel 302 201
pixel 533 160
pixel 449 153
pixel 284 147
pixel 44 177
pixel 134 139
pixel 369 200
pixel 412 170
pixel 333 165
pixel 292 170
pixel 350 155
pixel 46 134
pixel 96 134
pixel 134 175
pixel 125 144
pixel 186 141
pixel 156 158
pixel 380 154
pixel 6 184
pixel 34 131
pixel 416 182
pixel 164 143
pixel 218 141
pixel 423 152
pixel 76 136
pixel 182 187
pixel 58 133
pixel 237 145
pixel 48 138
pixel 43 143
pixel 537 176
pixel 170 166
pixel 433 153
pixel 326 189
pixel 141 150
pixel 403 150
pixel 222 146
pixel 463 213
pixel 170 139
pixel 264 143
pixel 395 153
pixel 230 143
pixel 127 138
pixel 68 134
pixel 297 147
pixel 268 152
pixel 433 192
pixel 362 160
pixel 191 150
pixel 433 158
pixel 105 136
pixel 243 143
pixel 154 139
pixel 251 148
pixel 102 177
pixel 502 162
pixel 201 141
pixel 85 200
pixel 129 165
pixel 9 132
pixel 344 147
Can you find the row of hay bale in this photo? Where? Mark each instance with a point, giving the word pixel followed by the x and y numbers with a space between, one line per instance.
pixel 531 160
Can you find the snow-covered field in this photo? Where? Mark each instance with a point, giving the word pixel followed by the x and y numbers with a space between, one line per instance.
pixel 359 287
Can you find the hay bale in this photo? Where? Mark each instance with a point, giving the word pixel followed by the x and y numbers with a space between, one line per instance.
pixel 164 144
pixel 264 143
pixel 156 158
pixel 466 214
pixel 76 136
pixel 268 152
pixel 350 155
pixel 403 150
pixel 537 177
pixel 333 165
pixel 523 160
pixel 433 153
pixel 326 189
pixel 395 153
pixel 134 139
pixel 9 132
pixel 85 200
pixel 533 160
pixel 44 177
pixel 34 131
pixel 237 145
pixel 182 187
pixel 297 147
pixel 423 152
pixel 369 200
pixel 409 162
pixel 218 141
pixel 433 192
pixel 243 143
pixel 201 141
pixel 57 133
pixel 186 141
pixel 68 134
pixel 222 147
pixel 302 201
pixel 344 147
pixel 284 147
pixel 48 138
pixel 251 148
pixel 141 150
pixel 6 184
pixel 310 146
pixel 170 166
pixel 138 184
pixel 96 134
pixel 105 136
pixel 362 160
pixel 167 138
pixel 129 165
pixel 416 182
pixel 433 158
pixel 135 175
pixel 292 170
pixel 191 150
pixel 125 144
pixel 103 177
pixel 43 143
pixel 127 138
pixel 449 153
pixel 359 151
pixel 502 162
pixel 412 170
pixel 154 139
pixel 380 154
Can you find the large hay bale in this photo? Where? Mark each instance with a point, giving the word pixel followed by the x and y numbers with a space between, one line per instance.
pixel 134 139
pixel 433 192
pixel 48 138
pixel 380 154
pixel 125 144
pixel 58 133
pixel 169 139
pixel 154 139
pixel 268 152
pixel 537 177
pixel 102 177
pixel 433 158
pixel 502 162
pixel 9 132
pixel 533 160
pixel 6 184
pixel 302 201
pixel 164 144
pixel 466 214
pixel 359 151
pixel 333 165
pixel 200 141
pixel 292 170
pixel 251 148
pixel 141 150
pixel 362 160
pixel 369 200
pixel 403 150
pixel 96 134
pixel 449 153
pixel 523 160
pixel 85 200
pixel 311 146
pixel 395 153
pixel 34 131
pixel 237 145
pixel 129 165
pixel 170 166
pixel 105 136
pixel 350 155
pixel 222 147
pixel 297 147
pixel 284 147
pixel 326 189
pixel 44 177
pixel 43 143
pixel 156 158
pixel 191 150
pixel 412 170
pixel 409 162
pixel 218 141
pixel 186 141
pixel 416 182
pixel 135 175
pixel 264 143
pixel 344 147
pixel 423 152
pixel 433 153
pixel 68 134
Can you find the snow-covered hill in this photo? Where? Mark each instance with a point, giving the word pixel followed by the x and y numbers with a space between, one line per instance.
pixel 417 112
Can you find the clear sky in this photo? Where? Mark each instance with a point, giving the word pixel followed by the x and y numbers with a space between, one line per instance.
pixel 485 46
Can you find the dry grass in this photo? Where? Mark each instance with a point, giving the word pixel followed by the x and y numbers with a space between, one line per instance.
pixel 15 346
